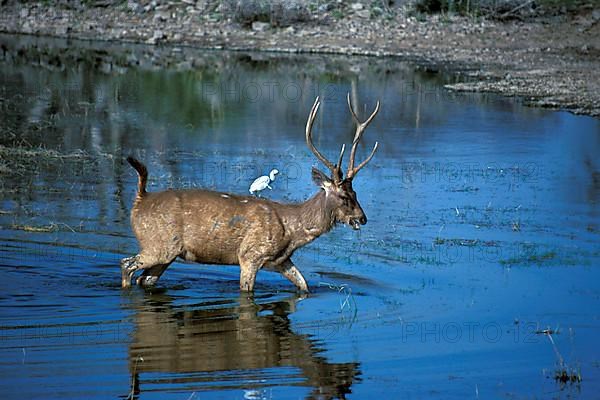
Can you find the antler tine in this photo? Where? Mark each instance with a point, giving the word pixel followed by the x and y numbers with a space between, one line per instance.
pixel 309 143
pixel 354 117
pixel 362 164
pixel 337 172
pixel 339 163
pixel 373 114
pixel 360 128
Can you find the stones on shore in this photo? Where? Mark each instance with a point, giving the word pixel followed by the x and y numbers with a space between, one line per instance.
pixel 360 10
pixel 134 6
pixel 258 26
pixel 157 36
pixel 352 27
pixel 63 30
pixel 161 16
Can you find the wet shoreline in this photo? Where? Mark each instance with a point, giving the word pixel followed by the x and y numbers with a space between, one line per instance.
pixel 550 63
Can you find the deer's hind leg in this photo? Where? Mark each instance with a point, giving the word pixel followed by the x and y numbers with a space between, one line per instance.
pixel 150 276
pixel 128 267
pixel 152 265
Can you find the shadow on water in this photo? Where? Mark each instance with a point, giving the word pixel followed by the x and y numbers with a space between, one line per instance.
pixel 242 344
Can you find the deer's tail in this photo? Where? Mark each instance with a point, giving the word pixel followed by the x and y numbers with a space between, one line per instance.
pixel 142 176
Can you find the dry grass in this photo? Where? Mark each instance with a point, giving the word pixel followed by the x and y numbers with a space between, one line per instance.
pixel 19 160
pixel 135 384
pixel 347 302
pixel 36 229
pixel 38 152
pixel 52 227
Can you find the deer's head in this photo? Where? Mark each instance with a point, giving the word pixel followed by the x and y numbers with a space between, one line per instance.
pixel 340 197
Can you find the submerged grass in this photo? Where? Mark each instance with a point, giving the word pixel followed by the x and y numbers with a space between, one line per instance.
pixel 536 258
pixel 135 383
pixel 38 152
pixel 564 373
pixel 347 302
pixel 19 159
pixel 463 242
pixel 53 227
pixel 36 229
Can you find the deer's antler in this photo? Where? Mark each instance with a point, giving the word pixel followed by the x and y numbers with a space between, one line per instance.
pixel 336 172
pixel 360 128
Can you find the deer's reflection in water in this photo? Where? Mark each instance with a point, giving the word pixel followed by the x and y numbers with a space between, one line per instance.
pixel 228 344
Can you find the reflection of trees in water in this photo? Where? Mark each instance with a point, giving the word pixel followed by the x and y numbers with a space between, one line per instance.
pixel 102 96
pixel 108 99
pixel 199 343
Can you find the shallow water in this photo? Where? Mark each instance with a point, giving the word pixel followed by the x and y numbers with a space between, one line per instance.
pixel 483 232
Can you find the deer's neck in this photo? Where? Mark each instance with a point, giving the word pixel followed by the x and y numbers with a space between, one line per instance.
pixel 310 219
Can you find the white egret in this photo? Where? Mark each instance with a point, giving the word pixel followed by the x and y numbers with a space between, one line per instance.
pixel 262 182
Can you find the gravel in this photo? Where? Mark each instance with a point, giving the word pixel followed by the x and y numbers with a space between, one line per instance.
pixel 551 62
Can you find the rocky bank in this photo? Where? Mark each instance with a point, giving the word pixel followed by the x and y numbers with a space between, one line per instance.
pixel 551 61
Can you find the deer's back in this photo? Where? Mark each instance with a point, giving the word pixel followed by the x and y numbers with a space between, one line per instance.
pixel 204 226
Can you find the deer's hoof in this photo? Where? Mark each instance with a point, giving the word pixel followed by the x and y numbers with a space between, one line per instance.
pixel 125 283
pixel 146 281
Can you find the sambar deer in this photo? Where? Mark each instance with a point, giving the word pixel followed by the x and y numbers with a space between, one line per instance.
pixel 219 228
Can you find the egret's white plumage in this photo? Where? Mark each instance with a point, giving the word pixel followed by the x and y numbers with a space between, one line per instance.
pixel 262 182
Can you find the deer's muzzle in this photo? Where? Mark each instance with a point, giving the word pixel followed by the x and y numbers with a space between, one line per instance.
pixel 355 223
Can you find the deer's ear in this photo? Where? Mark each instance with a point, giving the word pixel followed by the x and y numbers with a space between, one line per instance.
pixel 320 179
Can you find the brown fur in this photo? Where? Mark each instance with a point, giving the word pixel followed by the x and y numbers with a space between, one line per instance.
pixel 220 228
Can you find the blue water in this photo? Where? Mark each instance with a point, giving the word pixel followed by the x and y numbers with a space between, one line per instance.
pixel 483 232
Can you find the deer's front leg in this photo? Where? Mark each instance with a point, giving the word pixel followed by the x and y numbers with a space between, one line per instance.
pixel 293 274
pixel 262 243
pixel 248 271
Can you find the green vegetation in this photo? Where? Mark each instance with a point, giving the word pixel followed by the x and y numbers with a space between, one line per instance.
pixel 283 13
pixel 437 6
pixel 502 9
pixel 529 259
pixel 275 12
pixel 568 5
pixel 565 373
pixel 337 14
